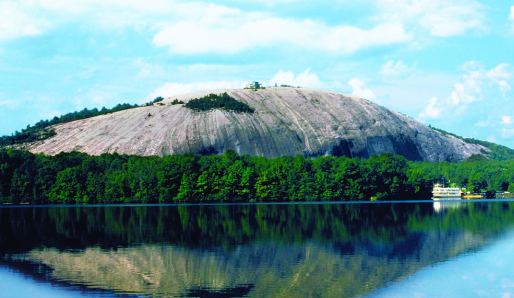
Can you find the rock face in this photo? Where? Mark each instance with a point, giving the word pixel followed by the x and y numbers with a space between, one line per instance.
pixel 287 121
pixel 264 269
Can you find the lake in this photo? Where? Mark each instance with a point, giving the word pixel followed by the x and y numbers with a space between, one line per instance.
pixel 399 249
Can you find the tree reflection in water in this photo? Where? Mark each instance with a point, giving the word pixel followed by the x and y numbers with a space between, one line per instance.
pixel 343 250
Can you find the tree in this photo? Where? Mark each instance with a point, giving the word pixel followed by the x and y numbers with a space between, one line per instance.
pixel 221 101
pixel 116 188
pixel 477 183
pixel 350 179
pixel 67 187
pixel 386 176
pixel 186 191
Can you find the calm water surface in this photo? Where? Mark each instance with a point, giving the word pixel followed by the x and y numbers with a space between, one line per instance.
pixel 424 249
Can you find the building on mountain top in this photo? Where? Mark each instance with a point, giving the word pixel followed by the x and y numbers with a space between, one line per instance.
pixel 254 85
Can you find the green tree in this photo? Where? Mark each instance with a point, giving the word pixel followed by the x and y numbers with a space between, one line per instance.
pixel 116 188
pixel 187 191
pixel 67 187
pixel 477 183
pixel 386 176
pixel 350 180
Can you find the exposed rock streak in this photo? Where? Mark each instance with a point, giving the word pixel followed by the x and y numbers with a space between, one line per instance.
pixel 286 121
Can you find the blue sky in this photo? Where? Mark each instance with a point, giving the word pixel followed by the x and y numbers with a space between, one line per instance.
pixel 447 63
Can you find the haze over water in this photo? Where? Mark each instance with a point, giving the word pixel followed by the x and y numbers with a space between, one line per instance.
pixel 259 250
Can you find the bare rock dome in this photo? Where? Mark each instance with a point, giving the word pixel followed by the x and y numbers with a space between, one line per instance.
pixel 286 121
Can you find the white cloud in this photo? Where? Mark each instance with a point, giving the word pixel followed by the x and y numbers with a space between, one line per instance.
pixel 148 69
pixel 29 17
pixel 462 95
pixel 171 89
pixel 453 20
pixel 195 27
pixel 305 79
pixel 9 103
pixel 500 72
pixel 14 22
pixel 432 110
pixel 272 3
pixel 239 32
pixel 507 120
pixel 476 81
pixel 442 18
pixel 359 89
pixel 504 88
pixel 199 27
pixel 77 7
pixel 156 14
pixel 472 65
pixel 499 75
pixel 396 69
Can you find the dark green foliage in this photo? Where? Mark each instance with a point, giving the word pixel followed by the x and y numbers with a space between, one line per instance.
pixel 475 174
pixel 40 130
pixel 221 101
pixel 111 178
pixel 475 158
pixel 156 100
pixel 29 134
pixel 209 227
pixel 498 152
pixel 176 102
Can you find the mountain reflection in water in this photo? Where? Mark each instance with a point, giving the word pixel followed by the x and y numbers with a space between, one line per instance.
pixel 292 250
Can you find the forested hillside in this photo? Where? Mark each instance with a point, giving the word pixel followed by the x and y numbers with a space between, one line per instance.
pixel 497 152
pixel 41 131
pixel 112 178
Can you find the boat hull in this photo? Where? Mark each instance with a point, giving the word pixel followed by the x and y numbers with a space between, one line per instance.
pixel 446 197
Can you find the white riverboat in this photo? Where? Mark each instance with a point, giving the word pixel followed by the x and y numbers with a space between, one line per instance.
pixel 440 192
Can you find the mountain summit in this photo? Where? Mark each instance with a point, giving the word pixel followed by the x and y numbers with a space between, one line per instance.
pixel 282 121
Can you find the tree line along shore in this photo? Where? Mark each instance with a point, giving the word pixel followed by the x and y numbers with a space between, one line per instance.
pixel 77 178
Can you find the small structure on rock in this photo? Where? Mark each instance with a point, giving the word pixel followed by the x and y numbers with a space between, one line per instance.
pixel 254 85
